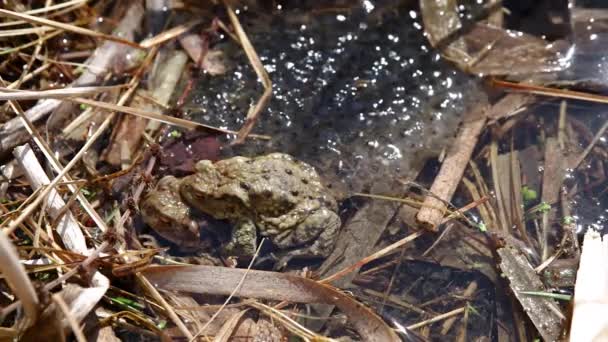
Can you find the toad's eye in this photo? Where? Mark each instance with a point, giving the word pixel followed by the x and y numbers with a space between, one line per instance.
pixel 245 186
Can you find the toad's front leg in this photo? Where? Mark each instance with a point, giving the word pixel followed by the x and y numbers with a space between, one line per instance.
pixel 243 239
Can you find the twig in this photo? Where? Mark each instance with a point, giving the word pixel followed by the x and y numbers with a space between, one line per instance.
pixel 451 171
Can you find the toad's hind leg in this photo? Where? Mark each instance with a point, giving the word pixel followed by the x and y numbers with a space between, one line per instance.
pixel 242 240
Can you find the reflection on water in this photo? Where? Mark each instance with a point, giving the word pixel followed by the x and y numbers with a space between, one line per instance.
pixel 357 93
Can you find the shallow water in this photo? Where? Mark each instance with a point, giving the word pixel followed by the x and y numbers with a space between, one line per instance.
pixel 365 101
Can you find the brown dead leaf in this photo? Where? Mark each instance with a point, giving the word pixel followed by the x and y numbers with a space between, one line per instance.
pixel 271 286
pixel 483 49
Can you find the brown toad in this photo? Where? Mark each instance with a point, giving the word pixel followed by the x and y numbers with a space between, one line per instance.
pixel 281 197
pixel 164 211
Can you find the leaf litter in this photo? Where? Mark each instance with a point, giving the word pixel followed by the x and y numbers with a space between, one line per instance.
pixel 74 243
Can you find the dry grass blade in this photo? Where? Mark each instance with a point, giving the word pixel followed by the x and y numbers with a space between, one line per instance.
pixel 25 31
pixel 254 111
pixel 4 51
pixel 18 279
pixel 437 318
pixel 159 117
pixel 228 328
pixel 66 27
pixel 553 175
pixel 29 76
pixel 60 10
pixel 63 173
pixel 169 34
pixel 502 218
pixel 56 7
pixel 551 92
pixel 373 257
pixel 291 325
pixel 152 290
pixel 69 230
pixel 7 94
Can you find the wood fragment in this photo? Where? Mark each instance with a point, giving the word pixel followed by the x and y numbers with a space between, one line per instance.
pixel 452 169
pixel 521 276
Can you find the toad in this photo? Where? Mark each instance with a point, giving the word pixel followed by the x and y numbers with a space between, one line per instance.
pixel 164 211
pixel 274 195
